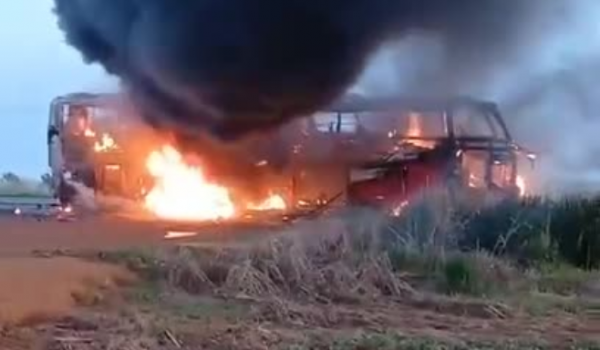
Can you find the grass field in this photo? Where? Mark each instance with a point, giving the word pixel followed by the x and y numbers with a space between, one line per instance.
pixel 437 277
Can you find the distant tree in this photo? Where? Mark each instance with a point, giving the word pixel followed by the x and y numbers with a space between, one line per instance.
pixel 47 180
pixel 11 177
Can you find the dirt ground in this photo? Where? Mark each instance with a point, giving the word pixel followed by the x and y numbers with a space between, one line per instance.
pixel 43 290
pixel 35 289
pixel 35 286
pixel 22 236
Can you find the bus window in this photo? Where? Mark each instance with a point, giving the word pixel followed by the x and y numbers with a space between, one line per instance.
pixel 339 123
pixel 471 122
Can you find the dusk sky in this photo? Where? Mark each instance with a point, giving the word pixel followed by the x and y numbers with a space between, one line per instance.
pixel 35 67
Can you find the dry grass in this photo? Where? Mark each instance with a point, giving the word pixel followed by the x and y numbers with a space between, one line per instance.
pixel 322 262
pixel 314 288
pixel 23 188
pixel 391 341
pixel 402 283
pixel 354 257
pixel 359 270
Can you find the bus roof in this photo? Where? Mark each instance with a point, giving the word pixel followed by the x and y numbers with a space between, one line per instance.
pixel 351 103
pixel 356 103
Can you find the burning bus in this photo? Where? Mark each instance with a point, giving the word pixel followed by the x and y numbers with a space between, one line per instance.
pixel 459 144
pixel 361 151
pixel 83 130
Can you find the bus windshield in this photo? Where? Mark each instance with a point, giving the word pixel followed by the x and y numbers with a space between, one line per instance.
pixel 406 124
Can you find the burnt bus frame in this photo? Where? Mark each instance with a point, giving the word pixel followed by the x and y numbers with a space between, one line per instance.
pixel 56 127
pixel 450 145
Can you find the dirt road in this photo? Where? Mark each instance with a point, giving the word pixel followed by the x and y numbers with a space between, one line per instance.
pixel 34 287
pixel 22 236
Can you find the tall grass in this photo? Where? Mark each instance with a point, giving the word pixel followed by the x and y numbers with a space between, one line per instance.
pixel 364 255
pixel 320 262
pixel 529 231
pixel 476 248
pixel 537 231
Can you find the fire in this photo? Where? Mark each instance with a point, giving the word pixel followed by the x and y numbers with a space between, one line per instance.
pixel 106 143
pixel 398 209
pixel 274 202
pixel 522 185
pixel 415 130
pixel 182 192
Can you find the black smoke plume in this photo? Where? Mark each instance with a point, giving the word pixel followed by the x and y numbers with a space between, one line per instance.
pixel 232 67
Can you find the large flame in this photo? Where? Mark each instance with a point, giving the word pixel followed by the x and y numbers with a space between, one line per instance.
pixel 182 192
pixel 274 202
pixel 415 129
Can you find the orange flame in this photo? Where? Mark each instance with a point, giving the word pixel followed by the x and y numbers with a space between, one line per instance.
pixel 415 129
pixel 398 209
pixel 274 202
pixel 182 192
pixel 106 143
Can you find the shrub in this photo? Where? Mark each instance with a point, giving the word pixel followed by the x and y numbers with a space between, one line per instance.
pixel 11 187
pixel 476 274
pixel 426 225
pixel 460 276
pixel 531 231
pixel 575 226
pixel 518 229
pixel 563 280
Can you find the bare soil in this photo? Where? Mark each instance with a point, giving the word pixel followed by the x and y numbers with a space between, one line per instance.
pixel 39 281
pixel 51 302
pixel 22 236
pixel 35 289
pixel 276 324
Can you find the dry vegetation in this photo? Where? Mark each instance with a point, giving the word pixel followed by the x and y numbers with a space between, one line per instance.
pixel 430 279
pixel 13 186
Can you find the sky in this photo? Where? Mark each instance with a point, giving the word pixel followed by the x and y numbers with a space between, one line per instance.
pixel 35 66
pixel 547 92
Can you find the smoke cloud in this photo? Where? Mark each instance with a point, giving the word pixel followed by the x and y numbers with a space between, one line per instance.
pixel 544 78
pixel 233 67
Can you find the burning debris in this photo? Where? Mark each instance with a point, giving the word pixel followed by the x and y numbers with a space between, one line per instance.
pixel 237 66
pixel 274 202
pixel 182 192
pixel 180 234
pixel 522 185
pixel 106 143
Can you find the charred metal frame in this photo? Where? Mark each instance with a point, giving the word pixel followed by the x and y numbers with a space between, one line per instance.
pixel 55 138
pixel 450 146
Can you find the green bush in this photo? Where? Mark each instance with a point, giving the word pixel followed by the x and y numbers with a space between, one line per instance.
pixel 518 229
pixel 476 274
pixel 575 227
pixel 530 231
pixel 461 276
